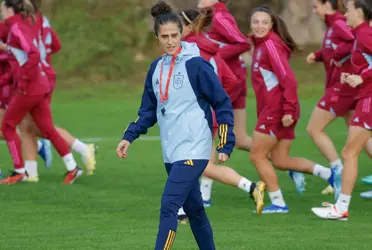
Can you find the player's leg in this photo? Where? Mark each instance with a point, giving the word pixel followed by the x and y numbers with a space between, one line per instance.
pixel 243 141
pixel 87 151
pixel 262 144
pixel 2 113
pixel 199 222
pixel 357 138
pixel 42 116
pixel 19 106
pixel 368 149
pixel 182 178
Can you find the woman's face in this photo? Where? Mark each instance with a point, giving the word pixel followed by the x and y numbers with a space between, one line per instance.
pixel 354 16
pixel 5 11
pixel 320 9
pixel 261 24
pixel 169 38
pixel 206 3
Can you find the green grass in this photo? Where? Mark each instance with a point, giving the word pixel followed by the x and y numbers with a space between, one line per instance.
pixel 118 208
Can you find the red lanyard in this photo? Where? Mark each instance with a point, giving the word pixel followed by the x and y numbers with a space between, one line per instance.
pixel 165 97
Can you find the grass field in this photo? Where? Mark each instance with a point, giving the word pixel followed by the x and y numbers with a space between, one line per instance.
pixel 118 207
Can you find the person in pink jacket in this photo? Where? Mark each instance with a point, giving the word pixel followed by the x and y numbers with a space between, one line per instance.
pixel 32 89
pixel 225 32
pixel 278 107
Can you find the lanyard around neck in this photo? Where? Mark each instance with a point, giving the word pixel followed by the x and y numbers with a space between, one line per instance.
pixel 174 57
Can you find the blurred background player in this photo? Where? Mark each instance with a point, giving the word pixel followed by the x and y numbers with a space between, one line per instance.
pixel 180 90
pixel 359 13
pixel 7 90
pixel 278 108
pixel 194 26
pixel 338 99
pixel 225 32
pixel 49 44
pixel 31 91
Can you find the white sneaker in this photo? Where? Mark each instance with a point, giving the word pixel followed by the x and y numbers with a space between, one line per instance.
pixel 330 212
pixel 366 195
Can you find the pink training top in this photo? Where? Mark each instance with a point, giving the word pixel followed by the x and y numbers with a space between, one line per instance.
pixel 24 57
pixel 273 80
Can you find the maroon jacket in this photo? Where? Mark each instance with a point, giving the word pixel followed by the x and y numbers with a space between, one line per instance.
pixel 337 45
pixel 273 80
pixel 225 32
pixel 24 57
pixel 361 58
pixel 210 52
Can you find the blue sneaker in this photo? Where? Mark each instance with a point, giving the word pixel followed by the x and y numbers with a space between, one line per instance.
pixel 366 195
pixel 274 209
pixel 299 180
pixel 45 152
pixel 367 179
pixel 207 203
pixel 335 181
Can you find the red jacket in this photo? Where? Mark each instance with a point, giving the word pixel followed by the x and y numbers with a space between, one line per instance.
pixel 337 45
pixel 24 57
pixel 225 32
pixel 5 70
pixel 361 58
pixel 209 51
pixel 49 44
pixel 273 80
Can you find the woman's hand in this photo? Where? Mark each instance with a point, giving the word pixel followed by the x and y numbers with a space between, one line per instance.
pixel 122 150
pixel 287 120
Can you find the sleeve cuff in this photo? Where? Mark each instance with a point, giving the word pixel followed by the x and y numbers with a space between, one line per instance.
pixel 225 151
pixel 128 138
pixel 318 56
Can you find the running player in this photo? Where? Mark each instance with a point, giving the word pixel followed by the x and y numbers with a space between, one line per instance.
pixel 338 99
pixel 194 26
pixel 359 13
pixel 31 91
pixel 49 44
pixel 278 108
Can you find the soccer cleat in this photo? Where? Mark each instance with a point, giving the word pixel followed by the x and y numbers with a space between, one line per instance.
pixel 34 179
pixel 71 176
pixel 367 179
pixel 330 212
pixel 274 209
pixel 299 179
pixel 366 195
pixel 13 178
pixel 335 181
pixel 207 203
pixel 258 195
pixel 45 152
pixel 182 219
pixel 328 190
pixel 90 159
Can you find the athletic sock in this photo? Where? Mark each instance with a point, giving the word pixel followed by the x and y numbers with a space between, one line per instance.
pixel 39 145
pixel 79 147
pixel 31 168
pixel 245 185
pixel 277 198
pixel 206 188
pixel 181 211
pixel 343 203
pixel 322 172
pixel 336 164
pixel 69 162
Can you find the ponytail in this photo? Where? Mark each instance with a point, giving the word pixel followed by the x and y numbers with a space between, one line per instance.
pixel 37 6
pixel 279 27
pixel 337 5
pixel 203 21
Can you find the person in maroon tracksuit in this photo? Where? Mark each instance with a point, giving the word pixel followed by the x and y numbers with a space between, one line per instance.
pixel 338 99
pixel 195 25
pixel 278 107
pixel 32 89
pixel 359 13
pixel 49 44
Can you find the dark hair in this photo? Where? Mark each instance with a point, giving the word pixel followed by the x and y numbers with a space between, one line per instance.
pixel 336 5
pixel 163 14
pixel 366 7
pixel 23 7
pixel 279 27
pixel 200 21
pixel 37 5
